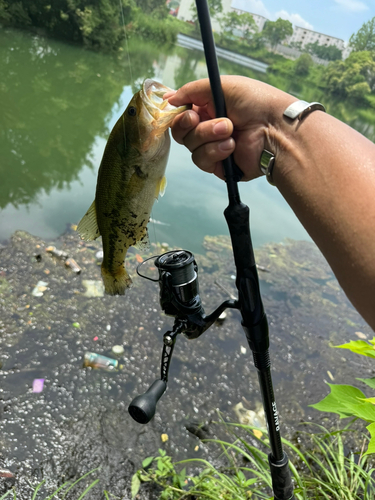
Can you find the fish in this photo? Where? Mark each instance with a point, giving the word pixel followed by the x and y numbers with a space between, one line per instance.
pixel 131 177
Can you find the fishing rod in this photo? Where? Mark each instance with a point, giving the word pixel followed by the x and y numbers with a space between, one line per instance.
pixel 254 320
pixel 179 294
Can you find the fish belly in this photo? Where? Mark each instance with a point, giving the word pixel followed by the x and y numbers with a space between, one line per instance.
pixel 125 226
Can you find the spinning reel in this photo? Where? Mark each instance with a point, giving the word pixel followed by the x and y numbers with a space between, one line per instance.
pixel 179 297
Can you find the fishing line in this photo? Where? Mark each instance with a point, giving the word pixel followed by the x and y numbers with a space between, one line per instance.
pixel 130 67
pixel 131 82
pixel 126 40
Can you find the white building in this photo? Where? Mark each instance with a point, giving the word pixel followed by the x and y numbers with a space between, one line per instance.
pixel 305 36
pixel 260 21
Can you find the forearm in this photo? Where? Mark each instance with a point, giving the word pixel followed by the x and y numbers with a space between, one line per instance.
pixel 326 172
pixel 323 168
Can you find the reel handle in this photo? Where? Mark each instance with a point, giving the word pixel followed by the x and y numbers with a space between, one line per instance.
pixel 143 407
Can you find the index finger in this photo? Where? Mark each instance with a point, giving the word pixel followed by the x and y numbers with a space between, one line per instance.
pixel 197 93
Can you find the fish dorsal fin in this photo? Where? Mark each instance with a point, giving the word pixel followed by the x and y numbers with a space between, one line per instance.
pixel 88 225
pixel 144 242
pixel 160 187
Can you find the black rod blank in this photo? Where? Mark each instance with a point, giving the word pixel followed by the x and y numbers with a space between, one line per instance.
pixel 254 320
pixel 231 170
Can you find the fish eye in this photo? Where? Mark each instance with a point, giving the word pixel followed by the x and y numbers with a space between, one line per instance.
pixel 132 111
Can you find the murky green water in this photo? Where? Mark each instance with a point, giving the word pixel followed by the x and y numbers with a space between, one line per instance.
pixel 58 104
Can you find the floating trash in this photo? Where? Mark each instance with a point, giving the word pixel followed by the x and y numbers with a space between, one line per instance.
pixel 243 350
pixel 262 268
pixel 38 385
pixel 361 335
pixel 93 360
pixel 118 350
pixel 60 254
pixel 99 255
pixel 250 417
pixel 94 288
pixel 40 288
pixel 164 438
pixel 6 473
pixel 72 264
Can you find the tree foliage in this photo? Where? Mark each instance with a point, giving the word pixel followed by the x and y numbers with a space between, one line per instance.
pixel 303 64
pixel 154 7
pixel 353 78
pixel 97 24
pixel 276 31
pixel 244 22
pixel 331 53
pixel 364 39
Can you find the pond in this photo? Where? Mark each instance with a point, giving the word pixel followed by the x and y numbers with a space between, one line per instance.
pixel 59 103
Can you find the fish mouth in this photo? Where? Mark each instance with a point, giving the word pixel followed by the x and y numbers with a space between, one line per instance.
pixel 159 109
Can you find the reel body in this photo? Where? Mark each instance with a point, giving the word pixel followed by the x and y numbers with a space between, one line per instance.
pixel 179 298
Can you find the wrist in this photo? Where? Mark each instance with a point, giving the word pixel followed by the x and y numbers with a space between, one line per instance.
pixel 287 139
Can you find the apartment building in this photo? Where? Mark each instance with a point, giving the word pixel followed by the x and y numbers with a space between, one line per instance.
pixel 305 36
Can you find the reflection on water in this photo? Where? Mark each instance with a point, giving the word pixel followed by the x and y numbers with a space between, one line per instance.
pixel 58 105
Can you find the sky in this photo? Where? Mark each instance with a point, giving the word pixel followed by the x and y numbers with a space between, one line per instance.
pixel 338 18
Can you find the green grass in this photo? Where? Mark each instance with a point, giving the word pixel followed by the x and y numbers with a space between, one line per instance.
pixel 323 472
pixel 59 494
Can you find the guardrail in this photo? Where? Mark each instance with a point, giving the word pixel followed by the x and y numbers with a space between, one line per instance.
pixel 193 43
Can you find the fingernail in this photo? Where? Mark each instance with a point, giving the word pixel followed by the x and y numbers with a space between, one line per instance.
pixel 226 145
pixel 186 120
pixel 221 128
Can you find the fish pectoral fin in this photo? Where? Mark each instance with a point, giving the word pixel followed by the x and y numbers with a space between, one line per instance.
pixel 88 225
pixel 143 243
pixel 160 187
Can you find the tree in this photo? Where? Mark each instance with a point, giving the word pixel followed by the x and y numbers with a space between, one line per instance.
pixel 155 7
pixel 364 39
pixel 242 22
pixel 331 53
pixel 276 31
pixel 353 78
pixel 96 23
pixel 303 64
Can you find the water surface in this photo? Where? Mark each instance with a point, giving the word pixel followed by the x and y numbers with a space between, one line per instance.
pixel 59 103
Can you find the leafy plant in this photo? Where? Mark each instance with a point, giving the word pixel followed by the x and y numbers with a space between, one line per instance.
pixel 322 472
pixel 348 401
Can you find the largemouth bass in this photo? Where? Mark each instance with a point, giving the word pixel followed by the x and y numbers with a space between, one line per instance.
pixel 130 178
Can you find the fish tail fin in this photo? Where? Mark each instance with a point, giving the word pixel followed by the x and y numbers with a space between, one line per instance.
pixel 116 283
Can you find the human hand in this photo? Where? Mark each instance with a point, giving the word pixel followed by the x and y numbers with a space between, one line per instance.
pixel 255 121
